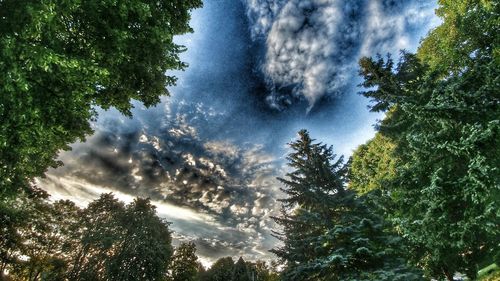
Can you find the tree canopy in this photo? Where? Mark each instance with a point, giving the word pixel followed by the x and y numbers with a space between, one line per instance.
pixel 443 119
pixel 329 233
pixel 184 263
pixel 108 240
pixel 60 59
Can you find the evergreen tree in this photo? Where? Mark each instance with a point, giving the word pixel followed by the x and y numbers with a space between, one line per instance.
pixel 328 232
pixel 305 214
pixel 443 106
pixel 240 271
pixel 184 263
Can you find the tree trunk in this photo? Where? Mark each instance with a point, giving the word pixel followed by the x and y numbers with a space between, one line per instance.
pixel 448 275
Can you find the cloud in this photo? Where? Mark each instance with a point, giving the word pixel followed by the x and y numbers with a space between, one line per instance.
pixel 210 153
pixel 261 14
pixel 211 189
pixel 312 46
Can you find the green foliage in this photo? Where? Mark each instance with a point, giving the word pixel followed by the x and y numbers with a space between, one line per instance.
pixel 241 271
pixel 60 58
pixel 143 249
pixel 260 271
pixel 105 241
pixel 469 30
pixel 305 213
pixel 444 121
pixel 38 230
pixel 221 270
pixel 328 232
pixel 490 272
pixel 224 269
pixel 372 164
pixel 184 263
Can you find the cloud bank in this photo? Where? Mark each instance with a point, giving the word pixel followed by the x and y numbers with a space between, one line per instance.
pixel 312 46
pixel 218 194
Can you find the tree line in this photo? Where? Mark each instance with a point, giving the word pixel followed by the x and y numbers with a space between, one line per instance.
pixel 107 240
pixel 418 201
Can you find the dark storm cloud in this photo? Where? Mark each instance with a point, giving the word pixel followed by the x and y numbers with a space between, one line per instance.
pixel 312 46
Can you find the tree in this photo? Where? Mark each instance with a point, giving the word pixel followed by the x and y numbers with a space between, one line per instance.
pixel 36 236
pixel 468 31
pixel 372 165
pixel 118 242
pixel 61 58
pixel 221 270
pixel 99 233
pixel 184 263
pixel 47 240
pixel 144 248
pixel 260 271
pixel 328 232
pixel 105 241
pixel 305 215
pixel 15 217
pixel 240 271
pixel 444 110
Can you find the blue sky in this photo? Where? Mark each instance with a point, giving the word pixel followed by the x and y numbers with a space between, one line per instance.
pixel 259 70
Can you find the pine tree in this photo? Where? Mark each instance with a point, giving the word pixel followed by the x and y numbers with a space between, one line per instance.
pixel 240 271
pixel 328 232
pixel 303 217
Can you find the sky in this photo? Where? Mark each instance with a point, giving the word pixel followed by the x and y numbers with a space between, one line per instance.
pixel 259 70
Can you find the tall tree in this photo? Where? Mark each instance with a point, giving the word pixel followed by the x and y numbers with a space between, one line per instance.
pixel 184 265
pixel 98 236
pixel 144 248
pixel 305 215
pixel 443 116
pixel 118 242
pixel 240 271
pixel 328 232
pixel 62 58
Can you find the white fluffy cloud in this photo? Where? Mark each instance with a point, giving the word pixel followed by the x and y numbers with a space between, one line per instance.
pixel 312 46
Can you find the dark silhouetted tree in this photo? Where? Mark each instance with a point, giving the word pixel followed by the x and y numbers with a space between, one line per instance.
pixel 240 271
pixel 221 270
pixel 144 248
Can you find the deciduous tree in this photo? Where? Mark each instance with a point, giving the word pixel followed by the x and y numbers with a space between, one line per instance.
pixel 60 59
pixel 184 265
